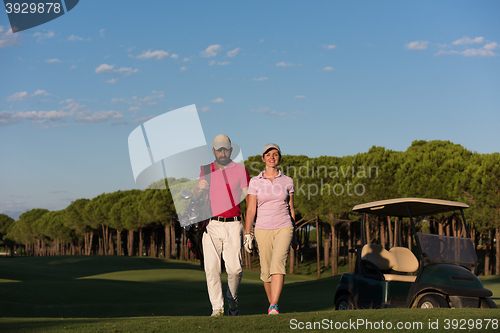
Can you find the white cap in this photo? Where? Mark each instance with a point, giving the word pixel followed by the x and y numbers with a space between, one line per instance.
pixel 222 141
pixel 270 146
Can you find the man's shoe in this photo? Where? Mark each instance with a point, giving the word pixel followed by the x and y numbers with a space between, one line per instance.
pixel 217 313
pixel 234 312
pixel 273 309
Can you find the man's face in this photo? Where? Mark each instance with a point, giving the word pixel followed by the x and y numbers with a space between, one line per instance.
pixel 222 155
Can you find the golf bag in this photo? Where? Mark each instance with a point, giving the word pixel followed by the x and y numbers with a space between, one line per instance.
pixel 195 231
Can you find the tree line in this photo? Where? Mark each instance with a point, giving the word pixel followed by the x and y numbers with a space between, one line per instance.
pixel 144 222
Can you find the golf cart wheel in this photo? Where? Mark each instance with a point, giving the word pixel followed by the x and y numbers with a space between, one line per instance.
pixel 487 303
pixel 345 302
pixel 432 301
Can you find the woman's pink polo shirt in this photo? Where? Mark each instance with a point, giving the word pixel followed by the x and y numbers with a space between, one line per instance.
pixel 273 211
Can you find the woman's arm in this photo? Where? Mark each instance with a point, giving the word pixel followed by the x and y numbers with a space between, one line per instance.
pixel 292 210
pixel 295 244
pixel 251 210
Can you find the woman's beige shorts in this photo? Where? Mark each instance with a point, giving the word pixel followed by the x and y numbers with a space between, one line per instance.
pixel 273 250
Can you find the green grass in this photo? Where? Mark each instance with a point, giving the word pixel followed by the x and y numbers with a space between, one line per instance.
pixel 121 294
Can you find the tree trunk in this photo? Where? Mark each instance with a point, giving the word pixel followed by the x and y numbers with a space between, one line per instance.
pixel 326 248
pixel 119 242
pixel 173 241
pixel 318 259
pixel 368 231
pixel 382 234
pixel 111 246
pixel 487 254
pixel 334 260
pixel 349 247
pixel 141 242
pixel 497 256
pixel 168 246
pixel 130 243
pixel 105 238
pixel 181 250
pixel 409 235
pixel 291 264
pixel 389 231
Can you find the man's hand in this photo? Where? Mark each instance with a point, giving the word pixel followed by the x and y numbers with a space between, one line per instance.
pixel 248 243
pixel 203 185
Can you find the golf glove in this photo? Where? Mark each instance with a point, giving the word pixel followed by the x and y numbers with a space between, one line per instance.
pixel 248 243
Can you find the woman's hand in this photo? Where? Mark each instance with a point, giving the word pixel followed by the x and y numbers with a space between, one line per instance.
pixel 295 244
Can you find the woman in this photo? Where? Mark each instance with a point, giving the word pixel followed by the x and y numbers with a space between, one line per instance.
pixel 270 196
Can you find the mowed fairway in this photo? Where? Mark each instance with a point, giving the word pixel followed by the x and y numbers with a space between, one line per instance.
pixel 122 294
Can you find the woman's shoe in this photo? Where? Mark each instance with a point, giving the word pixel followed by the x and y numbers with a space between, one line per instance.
pixel 273 309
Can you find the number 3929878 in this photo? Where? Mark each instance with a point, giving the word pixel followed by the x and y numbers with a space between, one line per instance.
pixel 32 8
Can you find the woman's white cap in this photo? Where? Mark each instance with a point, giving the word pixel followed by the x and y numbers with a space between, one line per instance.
pixel 270 146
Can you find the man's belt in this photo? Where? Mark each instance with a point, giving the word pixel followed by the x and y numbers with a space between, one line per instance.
pixel 226 219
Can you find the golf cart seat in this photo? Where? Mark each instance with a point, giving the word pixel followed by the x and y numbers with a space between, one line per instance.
pixel 392 265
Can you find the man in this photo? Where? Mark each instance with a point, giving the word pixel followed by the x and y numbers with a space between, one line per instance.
pixel 228 183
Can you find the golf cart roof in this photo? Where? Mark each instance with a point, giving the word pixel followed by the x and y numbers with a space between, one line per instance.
pixel 418 207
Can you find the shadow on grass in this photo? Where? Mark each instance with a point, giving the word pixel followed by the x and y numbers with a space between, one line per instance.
pixel 105 287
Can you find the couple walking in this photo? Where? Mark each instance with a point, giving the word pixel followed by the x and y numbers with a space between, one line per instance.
pixel 269 199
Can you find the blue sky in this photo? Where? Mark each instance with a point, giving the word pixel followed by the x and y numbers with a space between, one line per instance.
pixel 318 78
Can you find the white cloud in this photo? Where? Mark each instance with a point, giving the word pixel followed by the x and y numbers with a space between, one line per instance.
pixel 490 46
pixel 19 96
pixel 158 54
pixel 223 63
pixel 43 35
pixel 77 38
pixel 218 100
pixel 329 47
pixel 286 64
pixel 134 108
pixel 174 56
pixel 8 118
pixel 482 52
pixel 73 67
pixel 261 41
pixel 266 111
pixel 260 110
pixel 233 53
pixel 183 69
pixel 148 99
pixel 328 68
pixel 108 69
pixel 96 117
pixel 485 51
pixel 211 51
pixel 467 40
pixel 186 59
pixel 213 62
pixel 112 81
pixel 38 117
pixel 73 106
pixel 8 39
pixel 50 61
pixel 259 79
pixel 104 68
pixel 101 32
pixel 205 109
pixel 275 113
pixel 118 100
pixel 417 45
pixel 300 96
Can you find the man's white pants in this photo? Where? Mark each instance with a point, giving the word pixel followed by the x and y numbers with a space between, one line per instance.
pixel 222 238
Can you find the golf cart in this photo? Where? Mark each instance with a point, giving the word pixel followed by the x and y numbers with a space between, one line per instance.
pixel 441 275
